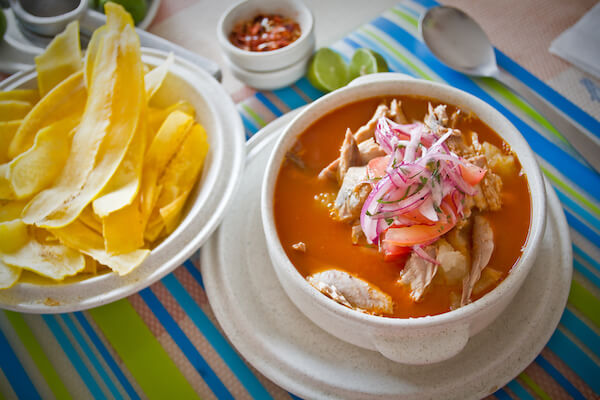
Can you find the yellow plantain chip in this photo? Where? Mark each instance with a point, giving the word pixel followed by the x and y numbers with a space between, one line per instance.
pixel 79 236
pixel 13 235
pixel 61 59
pixel 13 232
pixel 171 213
pixel 156 116
pixel 6 192
pixel 164 146
pixel 7 132
pixel 11 110
pixel 154 228
pixel 10 210
pixel 91 265
pixel 39 166
pixel 182 172
pixel 30 95
pixel 92 52
pixel 154 79
pixel 91 220
pixel 123 230
pixel 8 275
pixel 124 184
pixel 109 121
pixel 50 260
pixel 67 98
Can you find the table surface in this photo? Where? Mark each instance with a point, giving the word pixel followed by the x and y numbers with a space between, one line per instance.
pixel 84 355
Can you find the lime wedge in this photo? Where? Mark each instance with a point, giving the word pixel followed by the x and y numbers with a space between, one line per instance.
pixel 366 61
pixel 328 70
pixel 2 24
pixel 137 8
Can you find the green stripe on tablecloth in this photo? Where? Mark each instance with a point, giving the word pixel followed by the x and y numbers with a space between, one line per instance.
pixel 521 105
pixel 585 302
pixel 144 356
pixel 401 56
pixel 408 18
pixel 568 189
pixel 534 386
pixel 37 355
pixel 254 115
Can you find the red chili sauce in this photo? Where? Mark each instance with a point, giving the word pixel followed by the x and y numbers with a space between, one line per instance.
pixel 265 32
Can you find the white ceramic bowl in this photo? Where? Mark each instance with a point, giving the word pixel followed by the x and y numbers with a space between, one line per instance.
pixel 422 340
pixel 271 80
pixel 204 209
pixel 299 50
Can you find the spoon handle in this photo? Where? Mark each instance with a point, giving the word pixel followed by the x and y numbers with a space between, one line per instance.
pixel 586 146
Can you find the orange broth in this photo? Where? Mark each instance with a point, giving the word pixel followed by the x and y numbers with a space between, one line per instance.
pixel 301 217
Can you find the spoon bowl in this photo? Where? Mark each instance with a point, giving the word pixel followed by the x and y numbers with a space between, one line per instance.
pixel 458 41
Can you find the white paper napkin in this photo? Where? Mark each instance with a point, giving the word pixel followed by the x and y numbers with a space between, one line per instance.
pixel 580 44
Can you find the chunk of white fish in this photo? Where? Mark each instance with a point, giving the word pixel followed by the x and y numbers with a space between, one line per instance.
pixel 352 292
pixel 483 247
pixel 418 273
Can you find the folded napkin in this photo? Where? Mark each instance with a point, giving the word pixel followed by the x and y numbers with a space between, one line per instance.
pixel 580 44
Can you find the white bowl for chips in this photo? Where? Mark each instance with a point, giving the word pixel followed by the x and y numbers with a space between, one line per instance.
pixel 203 212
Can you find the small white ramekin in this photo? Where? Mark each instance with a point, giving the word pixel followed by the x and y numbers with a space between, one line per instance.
pixel 422 340
pixel 271 80
pixel 273 60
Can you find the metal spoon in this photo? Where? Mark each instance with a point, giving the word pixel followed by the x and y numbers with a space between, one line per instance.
pixel 460 43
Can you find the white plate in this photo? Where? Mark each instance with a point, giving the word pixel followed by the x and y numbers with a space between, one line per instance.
pixel 277 339
pixel 205 208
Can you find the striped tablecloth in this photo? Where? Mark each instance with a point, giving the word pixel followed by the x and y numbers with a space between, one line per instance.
pixel 164 342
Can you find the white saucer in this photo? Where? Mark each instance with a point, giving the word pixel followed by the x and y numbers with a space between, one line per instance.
pixel 277 339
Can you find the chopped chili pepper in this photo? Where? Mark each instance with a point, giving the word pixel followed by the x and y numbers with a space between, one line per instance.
pixel 265 32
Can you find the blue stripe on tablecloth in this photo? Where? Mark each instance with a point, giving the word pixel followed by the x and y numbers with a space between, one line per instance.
pixel 269 104
pixel 582 228
pixel 559 378
pixel 570 167
pixel 214 337
pixel 189 265
pixel 309 89
pixel 394 63
pixel 519 390
pixel 583 332
pixel 289 97
pixel 502 394
pixel 574 207
pixel 71 353
pixel 14 372
pixel 108 358
pixel 185 345
pixel 251 129
pixel 91 356
pixel 589 275
pixel 576 359
pixel 586 257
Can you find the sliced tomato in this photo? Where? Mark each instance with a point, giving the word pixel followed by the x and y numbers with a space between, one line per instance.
pixel 377 166
pixel 418 234
pixel 471 173
pixel 392 252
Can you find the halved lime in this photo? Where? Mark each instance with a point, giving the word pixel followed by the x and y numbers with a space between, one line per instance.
pixel 2 24
pixel 137 8
pixel 328 70
pixel 366 61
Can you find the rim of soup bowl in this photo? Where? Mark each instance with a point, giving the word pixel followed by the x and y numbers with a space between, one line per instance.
pixel 375 88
